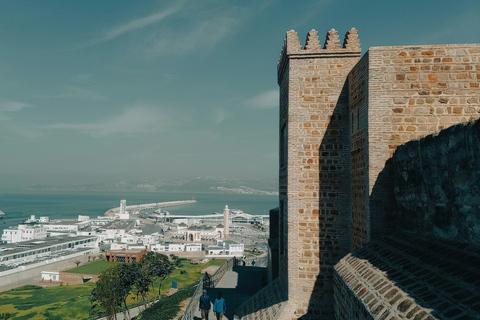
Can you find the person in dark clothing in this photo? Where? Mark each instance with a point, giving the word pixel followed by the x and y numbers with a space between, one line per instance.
pixel 204 305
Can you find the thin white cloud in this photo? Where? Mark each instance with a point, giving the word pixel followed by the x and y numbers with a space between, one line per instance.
pixel 132 121
pixel 10 106
pixel 266 100
pixel 200 37
pixel 219 116
pixel 115 32
pixel 75 93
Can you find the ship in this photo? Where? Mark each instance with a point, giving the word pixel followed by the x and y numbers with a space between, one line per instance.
pixel 2 214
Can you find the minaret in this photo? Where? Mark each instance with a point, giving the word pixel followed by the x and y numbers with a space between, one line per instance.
pixel 226 222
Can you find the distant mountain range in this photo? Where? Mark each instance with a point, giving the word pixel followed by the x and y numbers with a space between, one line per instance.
pixel 197 184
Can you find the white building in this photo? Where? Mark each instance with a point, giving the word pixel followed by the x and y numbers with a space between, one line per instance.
pixel 118 229
pixel 34 250
pixel 193 247
pixel 59 227
pixel 50 276
pixel 168 247
pixel 23 232
pixel 227 248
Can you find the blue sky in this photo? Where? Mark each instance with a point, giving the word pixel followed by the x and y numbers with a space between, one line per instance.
pixel 99 90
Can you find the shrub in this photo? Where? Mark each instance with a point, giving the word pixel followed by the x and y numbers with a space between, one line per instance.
pixel 168 307
pixel 27 287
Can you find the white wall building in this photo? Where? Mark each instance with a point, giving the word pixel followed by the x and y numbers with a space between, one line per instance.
pixel 193 247
pixel 83 218
pixel 50 276
pixel 169 247
pixel 226 247
pixel 23 232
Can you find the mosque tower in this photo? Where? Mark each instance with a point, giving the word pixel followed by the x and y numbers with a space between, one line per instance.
pixel 226 222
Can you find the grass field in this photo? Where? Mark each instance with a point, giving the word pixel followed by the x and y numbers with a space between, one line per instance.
pixel 53 303
pixel 72 302
pixel 92 268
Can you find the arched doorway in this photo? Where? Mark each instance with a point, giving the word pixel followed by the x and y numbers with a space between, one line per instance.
pixel 190 237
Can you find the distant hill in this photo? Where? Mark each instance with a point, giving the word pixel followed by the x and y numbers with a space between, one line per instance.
pixel 196 185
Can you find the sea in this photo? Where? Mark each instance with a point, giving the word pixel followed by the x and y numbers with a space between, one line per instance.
pixel 70 204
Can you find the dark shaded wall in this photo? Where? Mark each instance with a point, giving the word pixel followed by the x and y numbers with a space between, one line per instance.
pixel 437 184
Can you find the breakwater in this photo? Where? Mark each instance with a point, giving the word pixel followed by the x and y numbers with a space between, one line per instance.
pixel 150 206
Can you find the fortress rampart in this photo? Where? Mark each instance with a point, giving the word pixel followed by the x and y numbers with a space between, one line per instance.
pixel 341 120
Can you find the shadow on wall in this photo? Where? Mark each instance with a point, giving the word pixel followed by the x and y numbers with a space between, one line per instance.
pixel 429 187
pixel 440 276
pixel 334 207
pixel 436 189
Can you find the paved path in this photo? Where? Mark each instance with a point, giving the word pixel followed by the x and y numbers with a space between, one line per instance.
pixel 236 287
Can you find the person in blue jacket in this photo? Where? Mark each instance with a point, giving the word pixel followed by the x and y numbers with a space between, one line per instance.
pixel 219 307
pixel 204 305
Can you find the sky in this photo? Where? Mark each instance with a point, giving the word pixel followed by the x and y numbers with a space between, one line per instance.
pixel 98 90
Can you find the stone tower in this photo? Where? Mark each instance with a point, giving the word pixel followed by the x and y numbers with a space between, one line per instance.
pixel 226 222
pixel 314 168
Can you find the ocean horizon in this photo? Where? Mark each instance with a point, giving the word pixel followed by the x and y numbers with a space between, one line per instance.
pixel 19 206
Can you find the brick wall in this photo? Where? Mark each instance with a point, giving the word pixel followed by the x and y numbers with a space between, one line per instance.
pixel 409 276
pixel 436 184
pixel 358 113
pixel 412 92
pixel 314 168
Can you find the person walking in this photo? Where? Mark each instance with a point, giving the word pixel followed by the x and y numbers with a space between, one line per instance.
pixel 219 307
pixel 204 305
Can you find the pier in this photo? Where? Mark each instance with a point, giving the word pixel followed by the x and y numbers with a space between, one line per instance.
pixel 146 206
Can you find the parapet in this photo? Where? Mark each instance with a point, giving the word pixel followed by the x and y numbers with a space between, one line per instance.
pixel 313 48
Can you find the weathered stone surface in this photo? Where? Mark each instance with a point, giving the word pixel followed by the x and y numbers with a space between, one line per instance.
pixel 341 120
pixel 437 188
pixel 428 279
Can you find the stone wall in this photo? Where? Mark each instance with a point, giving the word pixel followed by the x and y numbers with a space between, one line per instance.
pixel 314 168
pixel 437 184
pixel 413 91
pixel 409 276
pixel 67 278
pixel 358 113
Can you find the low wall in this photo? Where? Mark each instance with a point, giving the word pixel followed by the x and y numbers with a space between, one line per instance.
pixel 68 278
pixel 24 274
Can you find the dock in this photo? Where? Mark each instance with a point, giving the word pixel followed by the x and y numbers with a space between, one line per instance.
pixel 139 207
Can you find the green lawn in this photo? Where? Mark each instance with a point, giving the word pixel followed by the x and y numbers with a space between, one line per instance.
pixel 53 303
pixel 72 302
pixel 192 274
pixel 92 268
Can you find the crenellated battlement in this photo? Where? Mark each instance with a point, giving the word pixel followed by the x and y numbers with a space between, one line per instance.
pixel 292 47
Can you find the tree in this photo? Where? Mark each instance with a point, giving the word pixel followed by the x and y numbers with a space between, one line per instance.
pixel 77 262
pixel 129 272
pixel 107 296
pixel 159 266
pixel 142 281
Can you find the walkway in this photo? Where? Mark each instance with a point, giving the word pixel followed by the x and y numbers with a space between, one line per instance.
pixel 236 287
